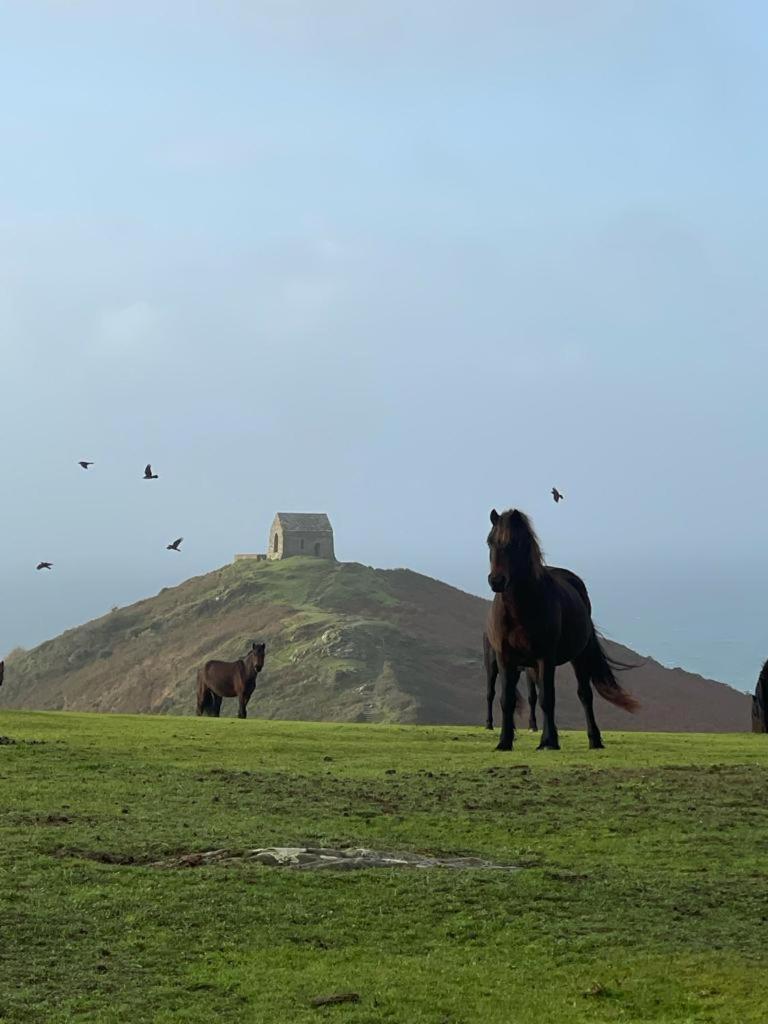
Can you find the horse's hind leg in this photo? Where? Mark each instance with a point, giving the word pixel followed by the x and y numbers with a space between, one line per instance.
pixel 584 681
pixel 532 723
pixel 202 697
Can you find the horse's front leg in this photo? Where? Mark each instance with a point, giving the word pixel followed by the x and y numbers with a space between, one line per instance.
pixel 490 692
pixel 549 738
pixel 243 699
pixel 508 674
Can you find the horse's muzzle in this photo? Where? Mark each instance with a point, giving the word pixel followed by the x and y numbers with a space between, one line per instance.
pixel 497 583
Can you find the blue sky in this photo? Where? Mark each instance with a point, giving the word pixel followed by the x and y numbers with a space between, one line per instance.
pixel 399 263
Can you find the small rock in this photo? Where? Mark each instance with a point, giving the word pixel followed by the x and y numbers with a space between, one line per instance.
pixel 596 990
pixel 192 860
pixel 338 997
pixel 267 858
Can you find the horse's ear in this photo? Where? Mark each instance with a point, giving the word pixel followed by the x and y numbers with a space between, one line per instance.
pixel 494 516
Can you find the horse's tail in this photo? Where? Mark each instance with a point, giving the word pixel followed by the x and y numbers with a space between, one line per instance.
pixel 204 695
pixel 760 702
pixel 489 657
pixel 604 681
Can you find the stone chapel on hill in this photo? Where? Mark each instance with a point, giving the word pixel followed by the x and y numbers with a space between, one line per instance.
pixel 298 533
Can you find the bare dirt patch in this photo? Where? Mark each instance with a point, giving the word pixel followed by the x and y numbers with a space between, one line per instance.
pixel 314 858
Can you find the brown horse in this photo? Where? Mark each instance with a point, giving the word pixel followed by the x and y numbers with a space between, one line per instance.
pixel 760 702
pixel 218 679
pixel 540 618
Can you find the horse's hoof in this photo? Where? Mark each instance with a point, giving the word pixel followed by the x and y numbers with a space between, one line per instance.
pixel 503 746
pixel 596 745
pixel 490 727
pixel 533 729
pixel 548 746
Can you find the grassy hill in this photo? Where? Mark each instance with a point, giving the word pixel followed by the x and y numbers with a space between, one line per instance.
pixel 641 894
pixel 345 642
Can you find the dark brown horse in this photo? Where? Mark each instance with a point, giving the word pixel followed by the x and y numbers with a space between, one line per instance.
pixel 218 679
pixel 540 618
pixel 491 674
pixel 760 702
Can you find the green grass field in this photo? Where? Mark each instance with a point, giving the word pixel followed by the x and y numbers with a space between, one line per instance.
pixel 643 894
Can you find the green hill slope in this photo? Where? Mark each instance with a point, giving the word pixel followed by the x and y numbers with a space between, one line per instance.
pixel 345 642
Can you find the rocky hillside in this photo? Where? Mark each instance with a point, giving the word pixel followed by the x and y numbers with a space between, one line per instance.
pixel 344 643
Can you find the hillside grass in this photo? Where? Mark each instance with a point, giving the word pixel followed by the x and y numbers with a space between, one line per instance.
pixel 641 894
pixel 145 657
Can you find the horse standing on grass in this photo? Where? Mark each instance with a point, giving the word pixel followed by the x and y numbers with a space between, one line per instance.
pixel 540 618
pixel 491 674
pixel 760 702
pixel 218 679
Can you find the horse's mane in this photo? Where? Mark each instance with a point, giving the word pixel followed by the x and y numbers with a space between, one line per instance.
pixel 514 531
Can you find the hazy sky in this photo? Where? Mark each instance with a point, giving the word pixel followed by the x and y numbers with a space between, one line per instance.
pixel 399 262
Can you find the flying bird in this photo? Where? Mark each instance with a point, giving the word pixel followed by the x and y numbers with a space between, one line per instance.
pixel 175 545
pixel 44 565
pixel 557 495
pixel 148 474
pixel 85 464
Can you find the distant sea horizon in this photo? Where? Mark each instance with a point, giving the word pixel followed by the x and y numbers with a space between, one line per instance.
pixel 711 620
pixel 710 623
pixel 731 661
